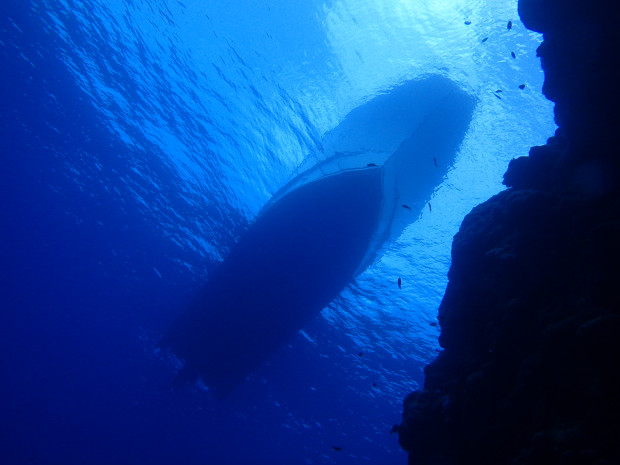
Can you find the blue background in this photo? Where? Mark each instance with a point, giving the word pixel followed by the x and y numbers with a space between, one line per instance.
pixel 139 138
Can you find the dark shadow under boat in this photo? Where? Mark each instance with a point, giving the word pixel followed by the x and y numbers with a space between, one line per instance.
pixel 380 167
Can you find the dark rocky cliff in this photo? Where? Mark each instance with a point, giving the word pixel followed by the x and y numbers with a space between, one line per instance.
pixel 530 322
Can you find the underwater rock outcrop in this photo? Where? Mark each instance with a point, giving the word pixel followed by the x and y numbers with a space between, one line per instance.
pixel 530 321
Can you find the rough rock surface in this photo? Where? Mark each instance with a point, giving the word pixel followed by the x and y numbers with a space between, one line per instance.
pixel 530 367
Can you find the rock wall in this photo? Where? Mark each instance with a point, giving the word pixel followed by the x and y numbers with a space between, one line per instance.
pixel 530 322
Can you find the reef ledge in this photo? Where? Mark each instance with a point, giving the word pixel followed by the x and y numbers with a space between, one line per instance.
pixel 530 321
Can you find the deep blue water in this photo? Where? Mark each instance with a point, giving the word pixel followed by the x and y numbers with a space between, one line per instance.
pixel 139 139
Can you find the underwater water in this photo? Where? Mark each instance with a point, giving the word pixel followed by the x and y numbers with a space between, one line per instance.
pixel 141 139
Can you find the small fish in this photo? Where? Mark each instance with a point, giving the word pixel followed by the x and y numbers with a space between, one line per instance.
pixel 430 209
pixel 485 39
pixel 337 448
pixel 395 429
pixel 513 55
pixel 509 25
pixel 360 354
pixel 400 283
pixel 435 161
pixel 433 323
pixel 467 23
pixel 498 90
pixel 406 206
pixel 371 165
pixel 498 96
pixel 522 86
